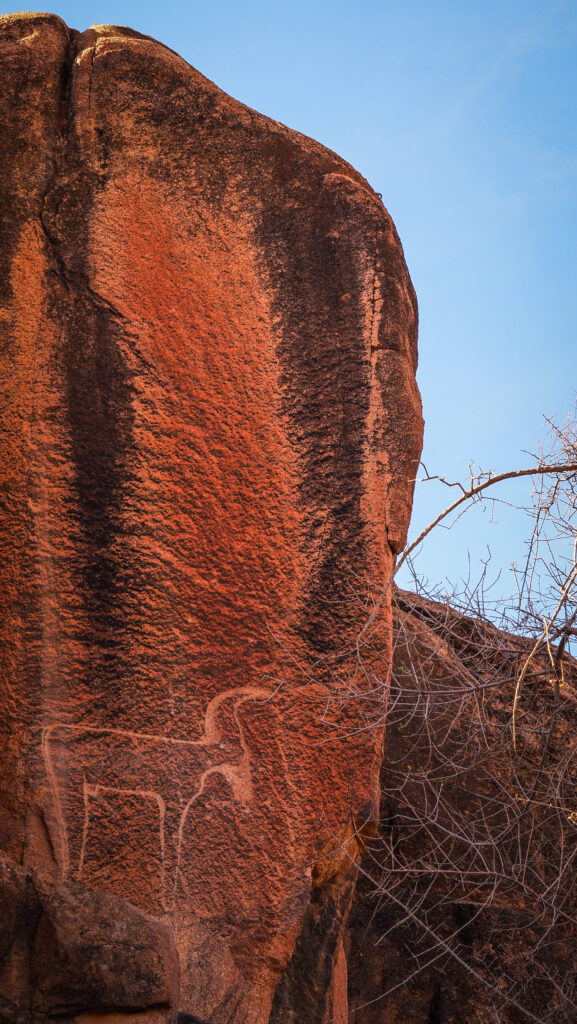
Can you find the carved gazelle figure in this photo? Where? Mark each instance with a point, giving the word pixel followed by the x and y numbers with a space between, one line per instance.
pixel 84 763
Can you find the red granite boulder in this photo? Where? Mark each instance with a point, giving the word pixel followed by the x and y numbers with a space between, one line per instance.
pixel 209 432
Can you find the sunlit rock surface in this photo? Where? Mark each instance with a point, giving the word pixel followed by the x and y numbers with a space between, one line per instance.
pixel 209 435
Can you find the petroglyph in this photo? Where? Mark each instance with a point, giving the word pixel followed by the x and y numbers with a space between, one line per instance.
pixel 85 763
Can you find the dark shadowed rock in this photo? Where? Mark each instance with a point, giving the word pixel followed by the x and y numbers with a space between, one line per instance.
pixel 209 433
pixel 476 842
pixel 69 952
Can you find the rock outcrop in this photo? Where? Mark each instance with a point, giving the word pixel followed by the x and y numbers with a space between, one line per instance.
pixel 466 905
pixel 66 949
pixel 209 432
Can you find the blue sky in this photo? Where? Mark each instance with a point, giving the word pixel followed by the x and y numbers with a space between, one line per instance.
pixel 463 116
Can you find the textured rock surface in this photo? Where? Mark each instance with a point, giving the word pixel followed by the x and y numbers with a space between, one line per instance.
pixel 209 430
pixel 68 949
pixel 507 911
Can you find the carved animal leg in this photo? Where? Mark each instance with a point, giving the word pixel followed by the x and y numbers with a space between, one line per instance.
pixel 170 828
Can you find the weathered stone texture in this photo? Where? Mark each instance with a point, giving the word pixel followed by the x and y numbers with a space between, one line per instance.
pixel 209 434
pixel 67 949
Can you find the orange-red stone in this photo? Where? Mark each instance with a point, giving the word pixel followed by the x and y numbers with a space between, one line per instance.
pixel 209 433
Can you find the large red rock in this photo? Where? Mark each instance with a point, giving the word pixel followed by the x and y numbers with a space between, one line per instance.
pixel 209 434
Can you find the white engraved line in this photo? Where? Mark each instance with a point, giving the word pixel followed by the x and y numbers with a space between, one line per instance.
pixel 211 736
pixel 62 839
pixel 187 806
pixel 246 693
pixel 211 731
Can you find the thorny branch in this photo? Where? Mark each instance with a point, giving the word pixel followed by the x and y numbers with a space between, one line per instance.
pixel 479 801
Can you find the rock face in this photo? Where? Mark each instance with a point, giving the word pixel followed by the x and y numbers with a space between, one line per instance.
pixel 209 431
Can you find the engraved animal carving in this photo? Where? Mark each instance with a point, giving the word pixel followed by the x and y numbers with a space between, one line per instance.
pixel 84 763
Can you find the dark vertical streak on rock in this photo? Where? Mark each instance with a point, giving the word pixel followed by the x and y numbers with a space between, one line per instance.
pixel 304 991
pixel 97 389
pixel 326 388
pixel 100 418
pixel 30 124
pixel 436 1007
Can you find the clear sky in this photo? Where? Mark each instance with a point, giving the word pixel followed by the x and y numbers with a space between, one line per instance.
pixel 462 114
